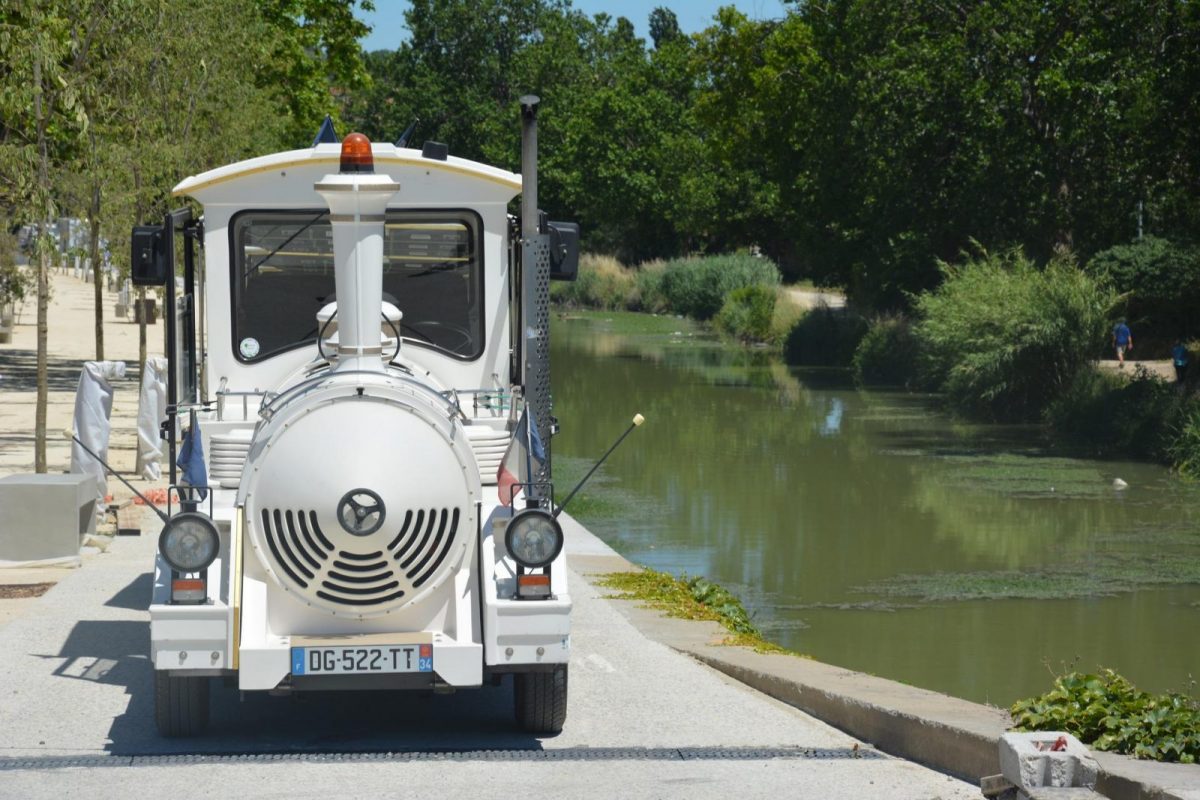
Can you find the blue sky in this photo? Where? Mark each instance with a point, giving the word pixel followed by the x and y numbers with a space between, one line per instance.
pixel 387 20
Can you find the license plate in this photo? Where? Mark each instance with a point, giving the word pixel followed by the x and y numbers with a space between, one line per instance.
pixel 371 659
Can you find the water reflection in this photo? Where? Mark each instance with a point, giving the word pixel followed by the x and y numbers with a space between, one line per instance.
pixel 805 496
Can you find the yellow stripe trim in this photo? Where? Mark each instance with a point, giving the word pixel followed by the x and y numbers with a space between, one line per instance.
pixel 239 533
pixel 412 162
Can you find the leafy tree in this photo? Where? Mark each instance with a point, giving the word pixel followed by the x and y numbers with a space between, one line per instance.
pixel 1161 285
pixel 41 113
pixel 311 50
pixel 664 26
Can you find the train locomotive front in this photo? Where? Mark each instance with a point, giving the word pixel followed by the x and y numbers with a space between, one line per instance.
pixel 351 534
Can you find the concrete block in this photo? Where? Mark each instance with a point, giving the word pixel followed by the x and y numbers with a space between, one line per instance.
pixel 45 517
pixel 1028 762
pixel 992 786
pixel 1076 793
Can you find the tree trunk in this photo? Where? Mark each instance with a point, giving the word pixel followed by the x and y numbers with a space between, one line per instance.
pixel 43 387
pixel 141 292
pixel 97 268
pixel 43 278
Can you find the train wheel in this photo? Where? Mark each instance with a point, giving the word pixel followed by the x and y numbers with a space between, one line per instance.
pixel 541 700
pixel 180 704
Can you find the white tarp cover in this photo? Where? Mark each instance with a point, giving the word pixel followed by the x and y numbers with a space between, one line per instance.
pixel 152 412
pixel 93 407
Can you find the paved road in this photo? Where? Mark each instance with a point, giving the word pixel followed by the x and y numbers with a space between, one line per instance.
pixel 77 684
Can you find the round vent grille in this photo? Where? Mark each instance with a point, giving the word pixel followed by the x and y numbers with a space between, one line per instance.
pixel 360 577
pixel 359 506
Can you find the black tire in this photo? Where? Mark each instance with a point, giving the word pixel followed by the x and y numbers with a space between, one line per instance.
pixel 541 700
pixel 180 704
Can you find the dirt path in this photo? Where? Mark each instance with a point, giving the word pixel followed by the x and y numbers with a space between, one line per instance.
pixel 812 298
pixel 1162 369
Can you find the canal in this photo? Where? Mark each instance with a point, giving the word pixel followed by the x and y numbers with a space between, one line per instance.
pixel 870 530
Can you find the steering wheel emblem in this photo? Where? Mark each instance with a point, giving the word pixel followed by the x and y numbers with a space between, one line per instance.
pixel 361 512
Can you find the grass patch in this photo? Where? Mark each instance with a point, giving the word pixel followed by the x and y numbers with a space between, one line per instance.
pixel 630 323
pixel 691 598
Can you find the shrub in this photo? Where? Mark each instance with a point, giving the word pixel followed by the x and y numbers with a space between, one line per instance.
pixel 14 282
pixel 887 354
pixel 1002 338
pixel 602 283
pixel 1109 713
pixel 747 313
pixel 1161 284
pixel 648 292
pixel 824 337
pixel 697 287
pixel 1184 447
pixel 1105 414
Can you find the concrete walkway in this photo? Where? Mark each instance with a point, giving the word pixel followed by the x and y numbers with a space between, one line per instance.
pixel 78 682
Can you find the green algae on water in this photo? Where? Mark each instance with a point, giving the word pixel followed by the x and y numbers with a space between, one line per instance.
pixel 1017 475
pixel 1104 576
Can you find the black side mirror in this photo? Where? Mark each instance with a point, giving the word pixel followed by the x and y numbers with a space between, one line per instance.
pixel 564 250
pixel 147 267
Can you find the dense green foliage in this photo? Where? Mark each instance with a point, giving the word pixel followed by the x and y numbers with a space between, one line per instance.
pixel 1184 449
pixel 1106 414
pixel 824 337
pixel 887 354
pixel 1002 338
pixel 1109 713
pixel 138 94
pixel 14 282
pixel 857 143
pixel 1160 282
pixel 697 287
pixel 747 313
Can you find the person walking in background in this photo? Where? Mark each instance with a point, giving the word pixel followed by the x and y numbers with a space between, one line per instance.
pixel 1122 340
pixel 1179 355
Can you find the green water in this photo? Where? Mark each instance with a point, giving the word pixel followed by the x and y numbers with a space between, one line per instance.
pixel 870 530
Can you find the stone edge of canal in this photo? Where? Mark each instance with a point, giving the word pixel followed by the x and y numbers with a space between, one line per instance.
pixel 952 735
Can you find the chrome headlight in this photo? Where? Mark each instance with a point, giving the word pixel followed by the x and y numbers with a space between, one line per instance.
pixel 189 541
pixel 533 538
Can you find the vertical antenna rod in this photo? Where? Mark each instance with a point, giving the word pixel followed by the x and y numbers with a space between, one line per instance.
pixel 529 166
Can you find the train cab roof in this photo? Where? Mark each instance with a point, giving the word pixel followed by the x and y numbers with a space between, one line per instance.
pixel 286 179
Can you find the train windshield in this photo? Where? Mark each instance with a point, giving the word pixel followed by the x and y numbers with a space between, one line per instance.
pixel 283 274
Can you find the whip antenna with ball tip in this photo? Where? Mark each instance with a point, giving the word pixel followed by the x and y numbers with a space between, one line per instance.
pixel 638 419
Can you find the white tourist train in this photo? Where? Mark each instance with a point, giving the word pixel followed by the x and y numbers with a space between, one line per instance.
pixel 362 348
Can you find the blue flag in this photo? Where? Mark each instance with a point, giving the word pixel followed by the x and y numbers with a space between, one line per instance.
pixel 191 461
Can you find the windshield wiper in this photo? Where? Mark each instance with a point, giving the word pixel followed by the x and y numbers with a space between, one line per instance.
pixel 286 242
